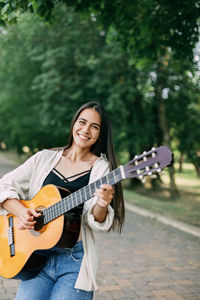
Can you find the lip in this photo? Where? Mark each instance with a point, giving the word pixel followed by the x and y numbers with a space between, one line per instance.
pixel 83 137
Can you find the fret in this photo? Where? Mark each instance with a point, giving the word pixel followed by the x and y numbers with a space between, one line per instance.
pixel 88 192
pixel 95 185
pixel 101 181
pixel 104 180
pixel 65 205
pixel 59 210
pixel 92 188
pixel 76 199
pixel 84 194
pixel 98 184
pixel 79 196
pixel 110 178
pixel 70 202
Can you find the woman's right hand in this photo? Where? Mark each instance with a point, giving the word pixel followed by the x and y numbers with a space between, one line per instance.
pixel 26 215
pixel 27 218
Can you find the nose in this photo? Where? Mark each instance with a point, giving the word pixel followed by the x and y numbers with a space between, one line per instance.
pixel 86 128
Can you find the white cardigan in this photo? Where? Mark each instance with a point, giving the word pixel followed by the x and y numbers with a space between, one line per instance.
pixel 25 182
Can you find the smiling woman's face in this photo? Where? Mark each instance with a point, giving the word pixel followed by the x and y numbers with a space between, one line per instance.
pixel 86 129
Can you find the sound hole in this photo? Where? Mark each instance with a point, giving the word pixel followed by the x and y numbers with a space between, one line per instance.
pixel 39 222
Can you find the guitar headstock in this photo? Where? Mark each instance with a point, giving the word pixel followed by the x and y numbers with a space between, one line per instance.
pixel 148 163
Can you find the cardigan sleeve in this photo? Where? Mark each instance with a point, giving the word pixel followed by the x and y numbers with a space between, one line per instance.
pixel 15 184
pixel 100 170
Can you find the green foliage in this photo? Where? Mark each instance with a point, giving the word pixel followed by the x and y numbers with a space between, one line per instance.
pixel 48 71
pixel 145 28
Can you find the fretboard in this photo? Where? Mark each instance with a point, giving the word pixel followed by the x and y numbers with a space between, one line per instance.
pixel 56 210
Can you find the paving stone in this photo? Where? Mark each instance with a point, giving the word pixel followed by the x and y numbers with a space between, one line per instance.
pixel 171 295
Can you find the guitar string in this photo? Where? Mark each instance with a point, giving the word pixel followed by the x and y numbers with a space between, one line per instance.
pixel 57 208
pixel 81 192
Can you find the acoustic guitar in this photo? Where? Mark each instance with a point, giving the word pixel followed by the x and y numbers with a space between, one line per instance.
pixel 17 246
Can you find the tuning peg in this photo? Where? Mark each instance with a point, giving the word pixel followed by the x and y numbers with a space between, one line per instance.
pixel 153 154
pixel 141 177
pixel 144 179
pixel 138 172
pixel 154 176
pixel 156 165
pixel 153 148
pixel 159 170
pixel 144 158
pixel 147 169
pixel 149 173
pixel 135 158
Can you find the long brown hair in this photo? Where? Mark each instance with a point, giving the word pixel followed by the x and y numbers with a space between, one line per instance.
pixel 104 145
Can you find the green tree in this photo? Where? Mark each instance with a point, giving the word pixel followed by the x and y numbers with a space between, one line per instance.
pixel 54 69
pixel 146 28
pixel 153 33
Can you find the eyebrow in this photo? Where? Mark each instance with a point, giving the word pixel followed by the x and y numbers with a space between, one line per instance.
pixel 92 123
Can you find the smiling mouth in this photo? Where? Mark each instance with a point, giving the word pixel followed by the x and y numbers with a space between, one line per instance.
pixel 85 138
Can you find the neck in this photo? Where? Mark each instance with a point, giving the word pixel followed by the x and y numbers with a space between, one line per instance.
pixel 75 153
pixel 80 196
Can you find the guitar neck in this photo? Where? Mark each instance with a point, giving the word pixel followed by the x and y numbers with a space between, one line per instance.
pixel 56 210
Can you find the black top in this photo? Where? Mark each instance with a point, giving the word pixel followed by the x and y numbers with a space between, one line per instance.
pixel 72 218
pixel 67 187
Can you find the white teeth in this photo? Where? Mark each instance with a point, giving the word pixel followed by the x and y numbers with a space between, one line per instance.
pixel 83 137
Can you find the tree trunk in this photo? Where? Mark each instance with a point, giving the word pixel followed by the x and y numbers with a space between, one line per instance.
pixel 162 120
pixel 197 170
pixel 181 158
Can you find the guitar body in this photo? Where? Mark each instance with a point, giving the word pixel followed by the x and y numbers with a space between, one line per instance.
pixel 27 241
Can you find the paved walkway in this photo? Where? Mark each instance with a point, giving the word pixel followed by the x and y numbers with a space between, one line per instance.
pixel 149 260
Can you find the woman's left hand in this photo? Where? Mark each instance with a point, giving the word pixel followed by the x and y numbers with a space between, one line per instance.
pixel 104 195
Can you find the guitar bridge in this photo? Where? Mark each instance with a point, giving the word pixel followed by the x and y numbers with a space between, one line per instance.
pixel 11 241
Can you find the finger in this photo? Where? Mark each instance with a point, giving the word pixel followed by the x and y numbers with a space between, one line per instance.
pixel 106 187
pixel 27 220
pixel 104 191
pixel 102 203
pixel 106 201
pixel 27 223
pixel 103 194
pixel 23 226
pixel 34 213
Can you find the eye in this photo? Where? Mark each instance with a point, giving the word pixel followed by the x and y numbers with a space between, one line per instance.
pixel 81 122
pixel 95 127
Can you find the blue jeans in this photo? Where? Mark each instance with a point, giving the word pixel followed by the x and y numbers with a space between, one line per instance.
pixel 57 278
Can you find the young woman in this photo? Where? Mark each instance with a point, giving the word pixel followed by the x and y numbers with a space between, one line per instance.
pixel 69 272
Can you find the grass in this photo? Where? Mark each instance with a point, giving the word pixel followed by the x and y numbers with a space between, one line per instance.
pixel 185 207
pixel 180 209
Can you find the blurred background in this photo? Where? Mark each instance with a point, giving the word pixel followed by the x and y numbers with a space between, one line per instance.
pixel 140 59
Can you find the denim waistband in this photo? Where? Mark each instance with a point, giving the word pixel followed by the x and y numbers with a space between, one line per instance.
pixel 56 250
pixel 77 247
